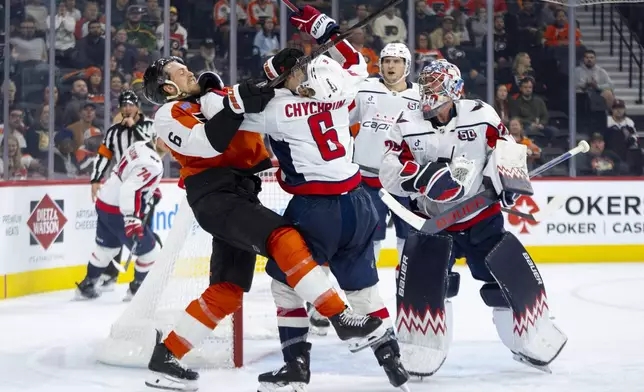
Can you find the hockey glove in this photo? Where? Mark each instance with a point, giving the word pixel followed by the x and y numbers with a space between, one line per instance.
pixel 133 226
pixel 312 21
pixel 433 180
pixel 508 199
pixel 247 97
pixel 156 197
pixel 208 81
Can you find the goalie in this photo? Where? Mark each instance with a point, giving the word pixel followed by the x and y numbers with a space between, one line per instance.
pixel 441 154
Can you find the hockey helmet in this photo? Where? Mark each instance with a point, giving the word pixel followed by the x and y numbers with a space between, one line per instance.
pixel 155 78
pixel 323 78
pixel 145 131
pixel 128 97
pixel 397 50
pixel 440 83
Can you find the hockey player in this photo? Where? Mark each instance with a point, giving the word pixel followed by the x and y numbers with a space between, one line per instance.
pixel 378 103
pixel 308 127
pixel 132 127
pixel 443 153
pixel 121 205
pixel 218 167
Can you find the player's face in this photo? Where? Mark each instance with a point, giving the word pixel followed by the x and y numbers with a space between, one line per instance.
pixel 183 78
pixel 129 110
pixel 161 147
pixel 393 69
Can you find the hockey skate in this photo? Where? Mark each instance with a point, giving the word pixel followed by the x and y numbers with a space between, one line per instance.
pixel 360 331
pixel 131 291
pixel 87 289
pixel 388 355
pixel 296 374
pixel 319 324
pixel 106 283
pixel 167 372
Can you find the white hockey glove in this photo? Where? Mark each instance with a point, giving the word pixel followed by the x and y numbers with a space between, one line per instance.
pixel 434 180
pixel 133 226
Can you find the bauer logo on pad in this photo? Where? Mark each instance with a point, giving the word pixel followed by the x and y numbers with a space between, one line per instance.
pixel 46 221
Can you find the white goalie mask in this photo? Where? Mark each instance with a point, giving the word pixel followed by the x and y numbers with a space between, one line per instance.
pixel 440 83
pixel 397 50
pixel 323 78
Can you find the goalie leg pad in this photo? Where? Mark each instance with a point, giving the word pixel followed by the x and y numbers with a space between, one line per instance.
pixel 533 335
pixel 292 321
pixel 423 313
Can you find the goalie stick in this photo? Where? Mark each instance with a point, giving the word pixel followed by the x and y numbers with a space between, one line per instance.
pixel 135 244
pixel 329 44
pixel 473 204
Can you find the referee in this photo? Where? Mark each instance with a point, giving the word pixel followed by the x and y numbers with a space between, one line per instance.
pixel 118 138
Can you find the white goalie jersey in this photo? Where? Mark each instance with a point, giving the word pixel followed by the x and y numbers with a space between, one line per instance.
pixel 468 139
pixel 132 181
pixel 375 112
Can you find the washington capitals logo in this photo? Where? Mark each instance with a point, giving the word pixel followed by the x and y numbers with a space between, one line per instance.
pixel 523 322
pixel 410 319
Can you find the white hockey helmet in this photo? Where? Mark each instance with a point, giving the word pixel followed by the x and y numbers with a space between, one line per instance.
pixel 146 131
pixel 397 50
pixel 323 78
pixel 439 82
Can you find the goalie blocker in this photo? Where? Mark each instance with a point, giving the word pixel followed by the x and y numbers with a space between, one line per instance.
pixel 512 286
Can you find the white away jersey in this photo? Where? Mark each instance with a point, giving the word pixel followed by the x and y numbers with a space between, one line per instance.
pixel 471 135
pixel 376 109
pixel 132 181
pixel 311 139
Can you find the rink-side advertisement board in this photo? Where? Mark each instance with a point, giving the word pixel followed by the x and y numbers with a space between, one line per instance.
pixel 47 231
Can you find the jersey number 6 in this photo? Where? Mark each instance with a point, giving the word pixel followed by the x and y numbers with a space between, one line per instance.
pixel 174 139
pixel 325 136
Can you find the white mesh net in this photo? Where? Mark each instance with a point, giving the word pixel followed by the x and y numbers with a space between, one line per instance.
pixel 181 275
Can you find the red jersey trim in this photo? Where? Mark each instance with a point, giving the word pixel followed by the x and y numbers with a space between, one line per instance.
pixel 373 182
pixel 320 187
pixel 486 213
pixel 110 209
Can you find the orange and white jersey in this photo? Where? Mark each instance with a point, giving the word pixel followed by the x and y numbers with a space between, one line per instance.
pixel 132 181
pixel 221 12
pixel 257 11
pixel 376 110
pixel 310 138
pixel 181 125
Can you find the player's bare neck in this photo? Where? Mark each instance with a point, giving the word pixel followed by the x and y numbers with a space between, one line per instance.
pixel 398 87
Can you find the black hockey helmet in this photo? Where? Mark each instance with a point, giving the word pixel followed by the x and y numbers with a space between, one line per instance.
pixel 155 78
pixel 128 96
pixel 283 61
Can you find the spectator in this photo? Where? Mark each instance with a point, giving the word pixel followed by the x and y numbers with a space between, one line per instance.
pixel 531 110
pixel 90 50
pixel 621 137
pixel 436 37
pixel 39 13
pixel 440 8
pixel 261 9
pixel 85 125
pixel 154 15
pixel 504 44
pixel 477 27
pixel 78 98
pixel 176 49
pixel 90 14
pixel 86 154
pixel 70 5
pixel 37 137
pixel 425 55
pixel 177 31
pixel 529 24
pixel 424 21
pixel 502 104
pixel 454 54
pixel 17 167
pixel 557 34
pixel 599 161
pixel 459 27
pixel 470 7
pixel 266 41
pixel 65 164
pixel 139 35
pixel 59 110
pixel 124 59
pixel 594 80
pixel 533 151
pixel 221 13
pixel 357 39
pixel 362 12
pixel 547 15
pixel 521 69
pixel 120 9
pixel 16 127
pixel 64 41
pixel 205 60
pixel 121 38
pixel 11 93
pixel 116 86
pixel 29 47
pixel 390 27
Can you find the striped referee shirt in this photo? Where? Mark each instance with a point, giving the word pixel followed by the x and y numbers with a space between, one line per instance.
pixel 118 139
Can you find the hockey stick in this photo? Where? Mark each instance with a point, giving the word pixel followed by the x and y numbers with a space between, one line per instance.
pixel 470 206
pixel 303 61
pixel 135 243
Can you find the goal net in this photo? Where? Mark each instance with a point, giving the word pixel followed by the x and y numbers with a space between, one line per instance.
pixel 181 275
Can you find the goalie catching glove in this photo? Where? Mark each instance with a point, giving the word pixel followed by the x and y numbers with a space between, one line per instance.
pixel 433 180
pixel 312 21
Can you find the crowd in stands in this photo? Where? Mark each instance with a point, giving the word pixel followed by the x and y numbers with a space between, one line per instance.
pixel 531 69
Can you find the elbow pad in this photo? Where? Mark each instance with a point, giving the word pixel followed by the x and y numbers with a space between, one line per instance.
pixel 221 128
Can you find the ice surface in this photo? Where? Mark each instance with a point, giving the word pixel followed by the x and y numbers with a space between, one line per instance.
pixel 47 341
